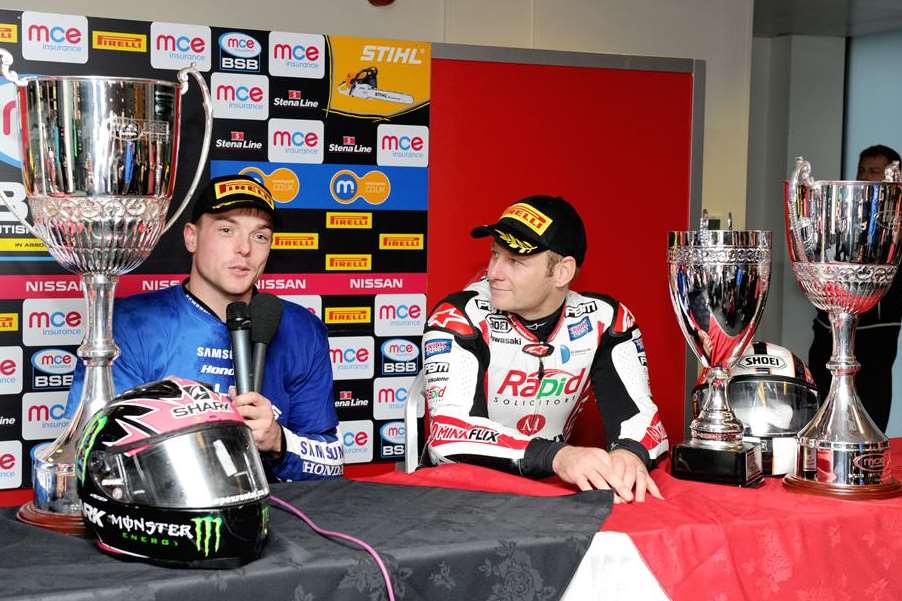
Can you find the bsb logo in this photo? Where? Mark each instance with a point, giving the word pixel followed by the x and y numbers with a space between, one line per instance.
pixel 295 141
pixel 176 46
pixel 43 414
pixel 400 314
pixel 393 437
pixel 402 145
pixel 297 55
pixel 240 96
pixel 357 439
pixel 390 396
pixel 400 357
pixel 10 369
pixel 52 37
pixel 10 464
pixel 58 321
pixel 52 368
pixel 352 357
pixel 239 52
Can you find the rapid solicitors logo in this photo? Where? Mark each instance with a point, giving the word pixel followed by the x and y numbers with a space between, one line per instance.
pixel 43 414
pixel 10 369
pixel 297 55
pixel 10 464
pixel 311 302
pixel 351 357
pixel 58 321
pixel 54 37
pixel 240 96
pixel 400 314
pixel 402 145
pixel 357 439
pixel 390 395
pixel 295 141
pixel 176 46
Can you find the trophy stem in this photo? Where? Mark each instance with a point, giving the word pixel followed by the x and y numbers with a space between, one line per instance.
pixel 56 504
pixel 716 423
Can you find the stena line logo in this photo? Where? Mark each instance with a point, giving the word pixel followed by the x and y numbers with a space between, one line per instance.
pixel 176 46
pixel 56 38
pixel 58 321
pixel 295 141
pixel 10 464
pixel 44 414
pixel 237 96
pixel 297 55
pixel 402 145
pixel 352 357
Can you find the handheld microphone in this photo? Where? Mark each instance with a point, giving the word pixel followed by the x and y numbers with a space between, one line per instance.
pixel 238 320
pixel 266 313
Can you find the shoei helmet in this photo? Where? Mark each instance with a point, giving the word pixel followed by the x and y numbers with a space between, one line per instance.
pixel 168 472
pixel 773 394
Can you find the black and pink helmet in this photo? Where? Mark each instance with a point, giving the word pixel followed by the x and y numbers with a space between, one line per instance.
pixel 168 472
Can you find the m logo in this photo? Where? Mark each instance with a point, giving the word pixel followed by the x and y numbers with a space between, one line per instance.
pixel 205 529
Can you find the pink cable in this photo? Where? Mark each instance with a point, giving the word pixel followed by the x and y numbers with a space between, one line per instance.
pixel 286 506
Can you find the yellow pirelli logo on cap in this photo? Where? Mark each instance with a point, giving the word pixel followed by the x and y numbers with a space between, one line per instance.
pixel 349 262
pixel 529 216
pixel 241 186
pixel 9 33
pixel 117 40
pixel 21 245
pixel 9 322
pixel 347 315
pixel 295 241
pixel 400 241
pixel 349 221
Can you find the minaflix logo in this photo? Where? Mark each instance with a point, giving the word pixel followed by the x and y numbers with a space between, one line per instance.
pixel 206 530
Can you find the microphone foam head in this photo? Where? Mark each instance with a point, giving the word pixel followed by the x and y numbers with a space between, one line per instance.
pixel 266 313
pixel 238 316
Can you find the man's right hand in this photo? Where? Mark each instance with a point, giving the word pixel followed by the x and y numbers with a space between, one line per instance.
pixel 591 467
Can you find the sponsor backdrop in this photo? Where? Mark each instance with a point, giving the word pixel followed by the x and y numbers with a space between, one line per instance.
pixel 336 127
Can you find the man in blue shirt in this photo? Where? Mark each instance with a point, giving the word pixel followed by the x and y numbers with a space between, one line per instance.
pixel 181 331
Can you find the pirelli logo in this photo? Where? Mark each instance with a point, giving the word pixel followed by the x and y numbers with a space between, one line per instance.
pixel 21 245
pixel 9 322
pixel 241 186
pixel 531 217
pixel 117 40
pixel 400 241
pixel 295 241
pixel 349 262
pixel 9 33
pixel 339 315
pixel 349 221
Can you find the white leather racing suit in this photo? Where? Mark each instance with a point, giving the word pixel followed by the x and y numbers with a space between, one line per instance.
pixel 500 397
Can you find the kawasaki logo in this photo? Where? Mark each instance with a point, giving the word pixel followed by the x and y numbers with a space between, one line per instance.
pixel 206 528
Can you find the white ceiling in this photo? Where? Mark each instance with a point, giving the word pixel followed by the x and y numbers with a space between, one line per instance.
pixel 826 17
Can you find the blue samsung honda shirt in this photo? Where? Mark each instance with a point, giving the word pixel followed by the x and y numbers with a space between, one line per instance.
pixel 168 332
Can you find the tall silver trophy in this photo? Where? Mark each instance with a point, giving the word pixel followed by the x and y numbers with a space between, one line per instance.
pixel 843 241
pixel 99 159
pixel 718 286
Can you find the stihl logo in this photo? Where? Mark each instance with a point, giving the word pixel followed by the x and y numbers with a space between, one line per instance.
pixel 392 54
pixel 556 382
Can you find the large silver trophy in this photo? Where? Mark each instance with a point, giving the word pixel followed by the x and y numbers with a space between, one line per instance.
pixel 718 285
pixel 99 159
pixel 843 241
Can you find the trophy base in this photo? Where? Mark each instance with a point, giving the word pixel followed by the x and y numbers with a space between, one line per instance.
pixel 737 466
pixel 884 490
pixel 64 523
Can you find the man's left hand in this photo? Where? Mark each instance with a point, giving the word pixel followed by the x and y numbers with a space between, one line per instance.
pixel 631 470
pixel 257 412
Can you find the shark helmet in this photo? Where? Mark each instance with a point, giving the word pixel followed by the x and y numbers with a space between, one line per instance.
pixel 168 472
pixel 773 394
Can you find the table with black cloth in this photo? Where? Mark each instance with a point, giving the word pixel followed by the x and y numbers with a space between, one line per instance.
pixel 721 543
pixel 439 545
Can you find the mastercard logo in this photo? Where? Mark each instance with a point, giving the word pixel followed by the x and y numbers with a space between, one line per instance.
pixel 282 183
pixel 346 187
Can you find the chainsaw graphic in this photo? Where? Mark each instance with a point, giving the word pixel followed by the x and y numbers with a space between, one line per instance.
pixel 363 85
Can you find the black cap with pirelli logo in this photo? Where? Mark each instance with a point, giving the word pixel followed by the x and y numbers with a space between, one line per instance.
pixel 539 223
pixel 234 192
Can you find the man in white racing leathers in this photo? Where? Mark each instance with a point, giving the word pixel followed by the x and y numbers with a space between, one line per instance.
pixel 510 361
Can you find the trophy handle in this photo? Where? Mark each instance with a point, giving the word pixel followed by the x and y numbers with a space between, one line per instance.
pixel 208 131
pixel 6 60
pixel 892 173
